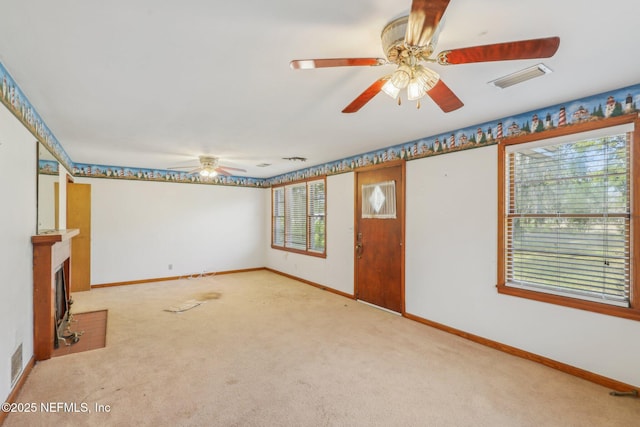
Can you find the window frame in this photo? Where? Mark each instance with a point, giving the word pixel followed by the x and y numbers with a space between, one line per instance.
pixel 308 216
pixel 631 312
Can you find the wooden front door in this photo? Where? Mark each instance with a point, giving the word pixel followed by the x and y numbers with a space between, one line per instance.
pixel 79 216
pixel 379 237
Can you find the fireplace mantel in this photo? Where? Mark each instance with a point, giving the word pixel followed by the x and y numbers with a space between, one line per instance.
pixel 51 250
pixel 52 236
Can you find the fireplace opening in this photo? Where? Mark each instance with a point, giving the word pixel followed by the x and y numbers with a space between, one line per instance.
pixel 62 309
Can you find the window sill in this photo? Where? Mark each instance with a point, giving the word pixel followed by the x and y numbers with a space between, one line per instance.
pixel 300 251
pixel 610 310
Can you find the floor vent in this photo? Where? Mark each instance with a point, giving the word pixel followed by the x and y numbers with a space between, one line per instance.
pixel 16 365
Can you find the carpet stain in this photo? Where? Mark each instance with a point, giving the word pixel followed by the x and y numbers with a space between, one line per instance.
pixel 208 296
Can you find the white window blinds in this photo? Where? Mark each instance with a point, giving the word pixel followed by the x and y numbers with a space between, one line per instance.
pixel 296 216
pixel 277 226
pixel 568 218
pixel 316 216
pixel 299 216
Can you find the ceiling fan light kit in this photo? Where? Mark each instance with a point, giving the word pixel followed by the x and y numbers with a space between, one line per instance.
pixel 410 41
pixel 423 81
pixel 208 172
pixel 410 74
pixel 208 166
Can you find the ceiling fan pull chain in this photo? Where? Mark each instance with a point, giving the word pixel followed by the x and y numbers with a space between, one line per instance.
pixel 418 105
pixel 399 101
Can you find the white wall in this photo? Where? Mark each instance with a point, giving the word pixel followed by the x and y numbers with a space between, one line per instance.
pixel 138 228
pixel 451 273
pixel 336 270
pixel 18 174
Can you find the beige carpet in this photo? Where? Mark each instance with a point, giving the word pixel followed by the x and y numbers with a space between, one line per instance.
pixel 264 350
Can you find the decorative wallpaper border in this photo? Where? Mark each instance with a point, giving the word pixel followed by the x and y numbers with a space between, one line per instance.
pixel 48 167
pixel 597 107
pixel 143 174
pixel 15 100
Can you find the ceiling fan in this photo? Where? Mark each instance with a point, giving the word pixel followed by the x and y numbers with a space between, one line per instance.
pixel 409 42
pixel 209 167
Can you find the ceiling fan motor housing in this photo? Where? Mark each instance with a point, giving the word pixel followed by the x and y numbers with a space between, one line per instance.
pixel 393 38
pixel 208 162
pixel 394 46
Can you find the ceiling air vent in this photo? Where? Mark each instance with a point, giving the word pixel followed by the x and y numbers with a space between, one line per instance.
pixel 521 76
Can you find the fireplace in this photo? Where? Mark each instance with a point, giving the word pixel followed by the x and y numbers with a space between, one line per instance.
pixel 51 298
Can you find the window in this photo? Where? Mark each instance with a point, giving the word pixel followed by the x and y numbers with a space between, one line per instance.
pixel 566 221
pixel 379 200
pixel 299 217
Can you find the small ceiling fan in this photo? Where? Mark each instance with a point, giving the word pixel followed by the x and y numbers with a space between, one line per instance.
pixel 409 42
pixel 209 167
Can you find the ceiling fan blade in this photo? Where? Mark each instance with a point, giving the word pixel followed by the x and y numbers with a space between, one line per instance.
pixel 221 171
pixel 523 49
pixel 366 96
pixel 307 64
pixel 183 167
pixel 444 97
pixel 233 169
pixel 423 21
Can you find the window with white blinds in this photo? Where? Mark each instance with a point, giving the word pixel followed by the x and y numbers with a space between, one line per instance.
pixel 295 218
pixel 277 224
pixel 316 211
pixel 298 217
pixel 567 220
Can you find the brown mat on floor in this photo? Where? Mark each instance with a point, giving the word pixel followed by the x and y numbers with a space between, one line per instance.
pixel 93 327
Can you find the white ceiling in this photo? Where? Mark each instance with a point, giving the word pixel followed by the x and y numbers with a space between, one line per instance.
pixel 153 83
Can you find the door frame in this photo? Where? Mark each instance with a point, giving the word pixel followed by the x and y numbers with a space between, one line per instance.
pixel 402 203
